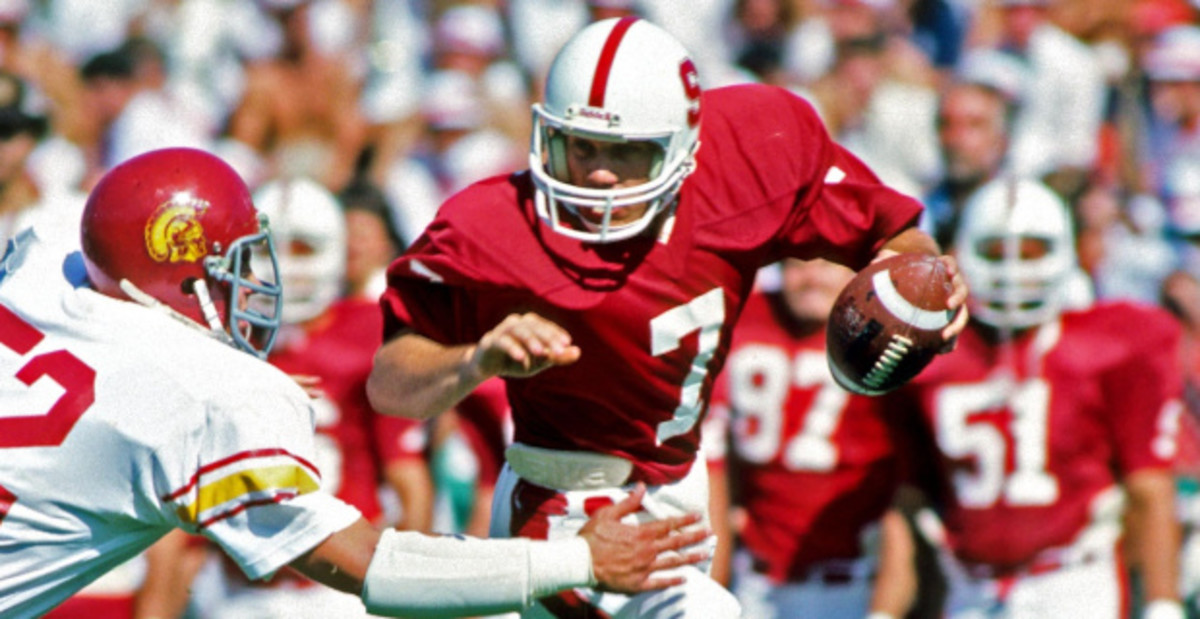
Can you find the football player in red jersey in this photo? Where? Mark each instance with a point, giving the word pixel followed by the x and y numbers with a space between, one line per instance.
pixel 1054 428
pixel 811 467
pixel 603 282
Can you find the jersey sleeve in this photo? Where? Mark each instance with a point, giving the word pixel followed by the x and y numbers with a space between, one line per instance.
pixel 1144 394
pixel 851 213
pixel 423 294
pixel 253 487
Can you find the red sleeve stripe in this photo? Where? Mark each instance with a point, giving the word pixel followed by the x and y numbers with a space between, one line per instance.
pixel 238 457
pixel 604 66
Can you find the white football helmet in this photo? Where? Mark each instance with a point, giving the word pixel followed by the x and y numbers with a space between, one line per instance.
pixel 1010 287
pixel 617 80
pixel 310 241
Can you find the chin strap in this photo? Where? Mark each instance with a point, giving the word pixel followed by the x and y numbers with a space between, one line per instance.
pixel 217 333
pixel 207 307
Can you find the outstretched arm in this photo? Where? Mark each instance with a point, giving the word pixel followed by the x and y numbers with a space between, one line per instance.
pixel 415 575
pixel 414 376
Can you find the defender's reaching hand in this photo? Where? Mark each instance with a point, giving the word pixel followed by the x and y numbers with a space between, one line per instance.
pixel 625 557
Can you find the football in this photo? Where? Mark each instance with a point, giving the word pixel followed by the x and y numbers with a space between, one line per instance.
pixel 886 324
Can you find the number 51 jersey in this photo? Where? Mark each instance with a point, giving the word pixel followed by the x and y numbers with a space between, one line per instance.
pixel 1031 435
pixel 118 424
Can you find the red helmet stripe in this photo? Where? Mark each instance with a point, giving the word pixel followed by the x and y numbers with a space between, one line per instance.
pixel 604 66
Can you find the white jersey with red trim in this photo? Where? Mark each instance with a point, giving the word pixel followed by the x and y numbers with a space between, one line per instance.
pixel 118 423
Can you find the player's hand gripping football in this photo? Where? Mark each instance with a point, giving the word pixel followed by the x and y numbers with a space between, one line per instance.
pixel 523 345
pixel 956 302
pixel 626 556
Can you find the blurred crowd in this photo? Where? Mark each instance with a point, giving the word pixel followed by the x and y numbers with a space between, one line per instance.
pixel 419 98
pixel 387 107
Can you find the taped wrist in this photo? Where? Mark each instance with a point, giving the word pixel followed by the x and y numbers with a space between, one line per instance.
pixel 558 565
pixel 417 575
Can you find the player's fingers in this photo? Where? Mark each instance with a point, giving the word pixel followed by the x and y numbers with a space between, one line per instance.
pixel 668 526
pixel 681 540
pixel 543 339
pixel 677 523
pixel 958 295
pixel 676 559
pixel 567 355
pixel 628 505
pixel 654 584
pixel 510 350
pixel 544 329
pixel 951 332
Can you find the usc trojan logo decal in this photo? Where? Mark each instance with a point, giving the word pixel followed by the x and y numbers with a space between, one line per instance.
pixel 174 233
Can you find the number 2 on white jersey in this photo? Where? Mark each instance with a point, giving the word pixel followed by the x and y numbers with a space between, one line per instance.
pixel 1030 483
pixel 761 378
pixel 70 381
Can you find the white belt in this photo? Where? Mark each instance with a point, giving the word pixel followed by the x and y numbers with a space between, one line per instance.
pixel 568 470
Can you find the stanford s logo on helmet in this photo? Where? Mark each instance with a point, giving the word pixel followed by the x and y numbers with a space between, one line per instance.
pixel 175 229
pixel 617 80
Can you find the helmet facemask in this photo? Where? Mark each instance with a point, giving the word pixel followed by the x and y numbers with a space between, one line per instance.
pixel 557 195
pixel 249 270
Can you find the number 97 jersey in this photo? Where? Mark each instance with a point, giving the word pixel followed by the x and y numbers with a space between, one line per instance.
pixel 1033 432
pixel 813 465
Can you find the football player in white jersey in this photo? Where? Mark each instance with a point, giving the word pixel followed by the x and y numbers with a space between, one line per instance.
pixel 127 411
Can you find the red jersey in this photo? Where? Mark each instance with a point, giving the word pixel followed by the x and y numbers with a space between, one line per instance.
pixel 812 464
pixel 1029 433
pixel 652 315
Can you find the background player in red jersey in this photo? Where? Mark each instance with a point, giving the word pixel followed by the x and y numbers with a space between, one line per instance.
pixel 1054 429
pixel 603 283
pixel 811 468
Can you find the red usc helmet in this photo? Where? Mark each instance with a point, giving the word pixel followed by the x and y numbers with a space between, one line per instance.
pixel 175 228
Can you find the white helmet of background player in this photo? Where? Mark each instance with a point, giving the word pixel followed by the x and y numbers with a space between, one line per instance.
pixel 1016 248
pixel 617 80
pixel 310 241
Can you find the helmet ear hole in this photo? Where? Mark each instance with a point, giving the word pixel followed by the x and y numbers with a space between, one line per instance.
pixel 188 286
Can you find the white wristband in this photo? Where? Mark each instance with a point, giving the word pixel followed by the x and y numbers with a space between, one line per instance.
pixel 881 615
pixel 415 575
pixel 558 565
pixel 1163 609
